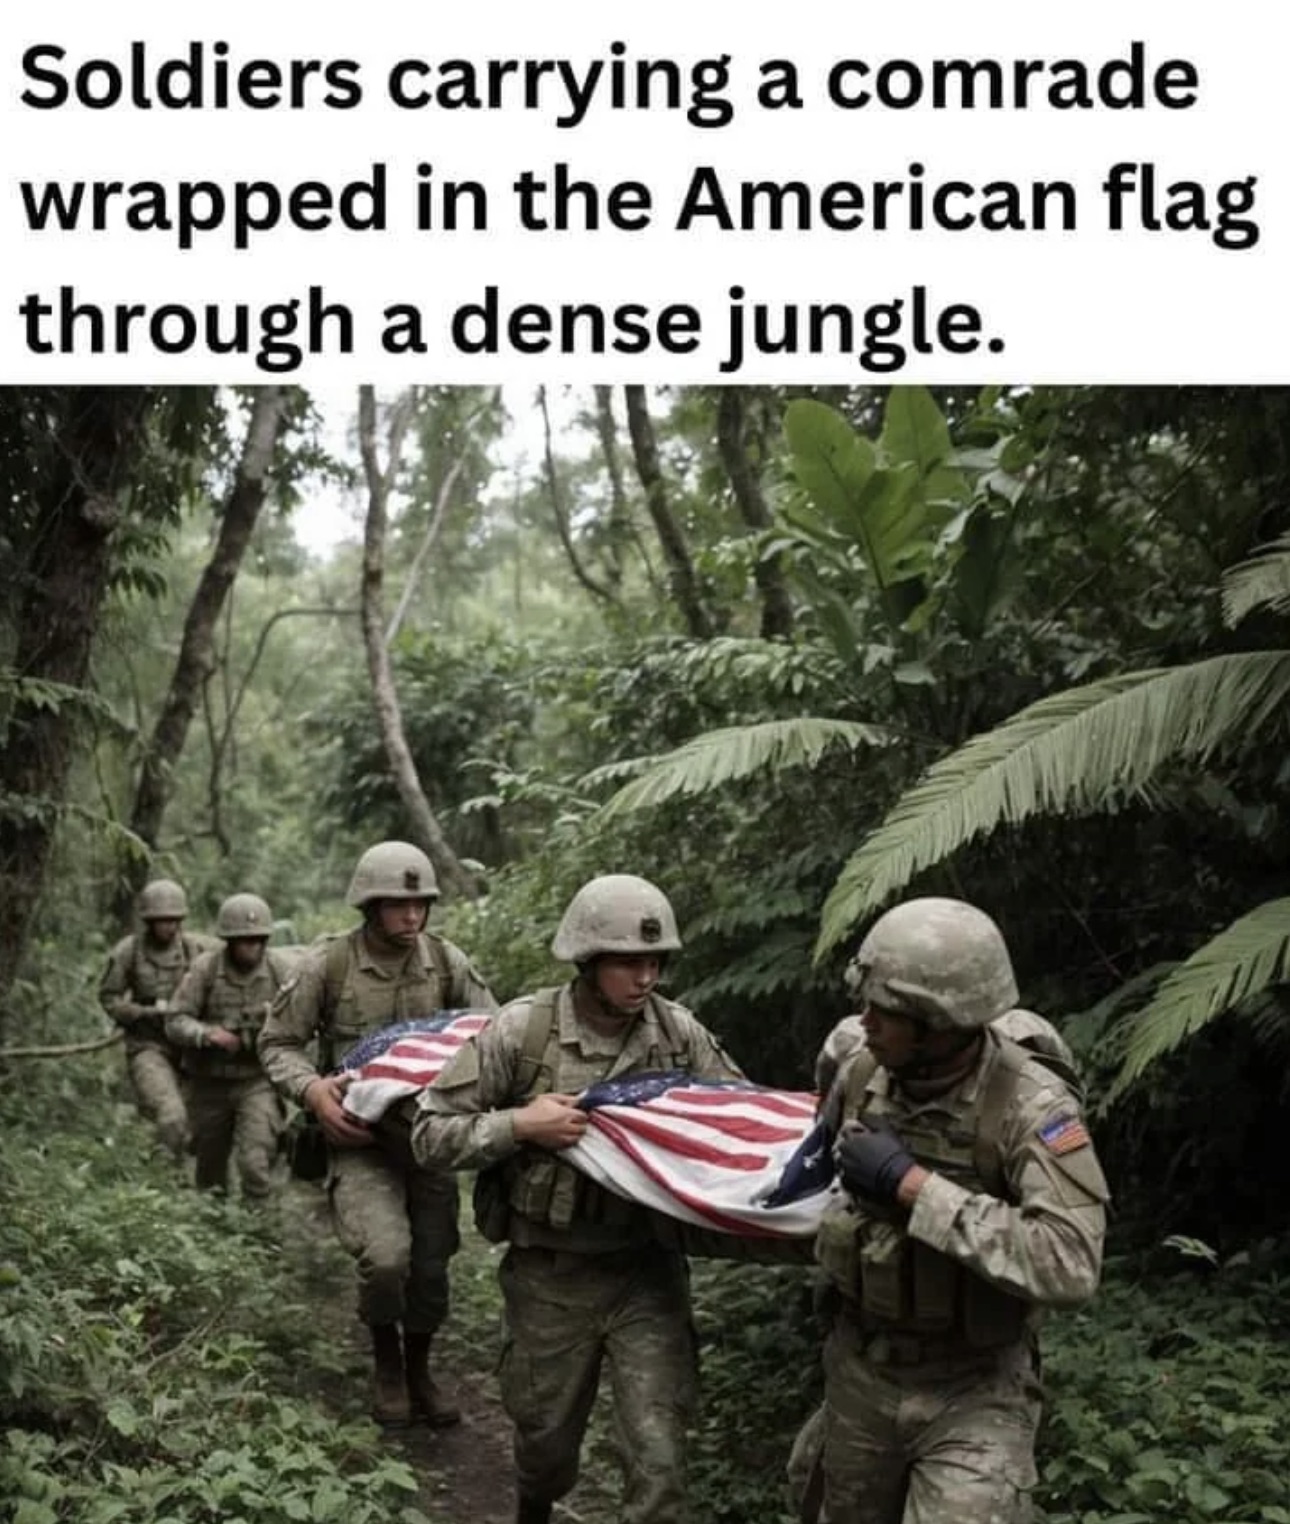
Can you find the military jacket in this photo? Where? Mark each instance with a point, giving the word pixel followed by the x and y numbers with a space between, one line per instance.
pixel 370 994
pixel 1028 1223
pixel 214 993
pixel 138 975
pixel 466 1120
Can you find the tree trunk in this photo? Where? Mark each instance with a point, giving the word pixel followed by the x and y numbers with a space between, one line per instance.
pixel 101 435
pixel 685 584
pixel 776 609
pixel 599 589
pixel 620 519
pixel 426 830
pixel 269 417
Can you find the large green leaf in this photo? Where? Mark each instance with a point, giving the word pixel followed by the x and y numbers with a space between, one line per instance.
pixel 1245 959
pixel 1262 581
pixel 720 756
pixel 914 432
pixel 879 509
pixel 1086 748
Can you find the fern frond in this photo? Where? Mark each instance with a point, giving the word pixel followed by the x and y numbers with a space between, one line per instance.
pixel 1084 749
pixel 721 756
pixel 1262 581
pixel 1249 956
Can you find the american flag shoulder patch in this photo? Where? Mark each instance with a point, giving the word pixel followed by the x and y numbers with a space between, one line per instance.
pixel 1063 1135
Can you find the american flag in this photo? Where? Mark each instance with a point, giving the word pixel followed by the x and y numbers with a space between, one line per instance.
pixel 718 1154
pixel 399 1060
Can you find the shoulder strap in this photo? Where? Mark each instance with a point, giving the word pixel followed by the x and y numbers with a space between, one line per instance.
pixel 441 961
pixel 278 971
pixel 335 970
pixel 536 1069
pixel 996 1104
pixel 678 1043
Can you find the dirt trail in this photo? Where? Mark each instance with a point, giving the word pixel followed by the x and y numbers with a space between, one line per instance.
pixel 464 1472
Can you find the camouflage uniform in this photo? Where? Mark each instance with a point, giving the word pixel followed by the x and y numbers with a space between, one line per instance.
pixel 399 1223
pixel 141 975
pixel 844 1043
pixel 234 1109
pixel 932 1392
pixel 584 1281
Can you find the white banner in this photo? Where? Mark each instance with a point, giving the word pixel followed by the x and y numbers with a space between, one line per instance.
pixel 504 191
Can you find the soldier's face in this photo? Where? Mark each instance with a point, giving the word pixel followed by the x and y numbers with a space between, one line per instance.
pixel 164 932
pixel 626 980
pixel 400 922
pixel 894 1040
pixel 245 952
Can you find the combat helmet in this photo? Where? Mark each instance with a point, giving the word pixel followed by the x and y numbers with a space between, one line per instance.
pixel 162 900
pixel 392 870
pixel 243 915
pixel 940 960
pixel 616 913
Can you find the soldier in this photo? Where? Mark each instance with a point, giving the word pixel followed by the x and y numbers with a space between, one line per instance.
pixel 584 1280
pixel 972 1201
pixel 143 971
pixel 213 1020
pixel 845 1043
pixel 399 1222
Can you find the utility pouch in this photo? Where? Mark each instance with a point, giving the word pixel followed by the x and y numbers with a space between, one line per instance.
pixel 491 1205
pixel 305 1145
pixel 837 1247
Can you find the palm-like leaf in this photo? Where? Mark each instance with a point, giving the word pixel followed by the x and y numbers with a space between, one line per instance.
pixel 1262 581
pixel 720 756
pixel 1249 956
pixel 1084 749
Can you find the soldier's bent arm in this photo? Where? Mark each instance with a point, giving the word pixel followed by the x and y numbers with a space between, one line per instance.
pixel 184 1024
pixel 290 1027
pixel 115 991
pixel 1046 1244
pixel 466 1119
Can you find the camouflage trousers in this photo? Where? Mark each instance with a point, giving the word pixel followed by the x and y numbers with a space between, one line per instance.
pixel 238 1119
pixel 158 1088
pixel 400 1224
pixel 567 1315
pixel 940 1441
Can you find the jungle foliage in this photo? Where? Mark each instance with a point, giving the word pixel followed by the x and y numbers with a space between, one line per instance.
pixel 792 655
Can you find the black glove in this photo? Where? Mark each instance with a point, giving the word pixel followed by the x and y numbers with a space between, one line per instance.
pixel 873 1162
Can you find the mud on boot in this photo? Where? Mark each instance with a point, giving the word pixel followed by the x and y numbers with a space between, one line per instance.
pixel 426 1398
pixel 391 1407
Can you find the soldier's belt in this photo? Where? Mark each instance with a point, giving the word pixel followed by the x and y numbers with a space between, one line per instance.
pixel 888 1346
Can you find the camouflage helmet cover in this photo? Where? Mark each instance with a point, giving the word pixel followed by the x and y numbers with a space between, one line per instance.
pixel 162 900
pixel 243 915
pixel 616 913
pixel 392 870
pixel 940 960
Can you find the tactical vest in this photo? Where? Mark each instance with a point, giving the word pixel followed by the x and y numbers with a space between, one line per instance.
pixel 239 1006
pixel 150 982
pixel 893 1281
pixel 535 1196
pixel 348 1015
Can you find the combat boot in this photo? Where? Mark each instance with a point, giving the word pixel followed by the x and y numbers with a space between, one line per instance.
pixel 426 1397
pixel 390 1405
pixel 532 1511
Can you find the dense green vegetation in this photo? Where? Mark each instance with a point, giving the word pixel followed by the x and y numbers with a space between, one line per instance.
pixel 1037 657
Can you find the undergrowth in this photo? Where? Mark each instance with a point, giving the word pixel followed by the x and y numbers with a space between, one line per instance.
pixel 163 1361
